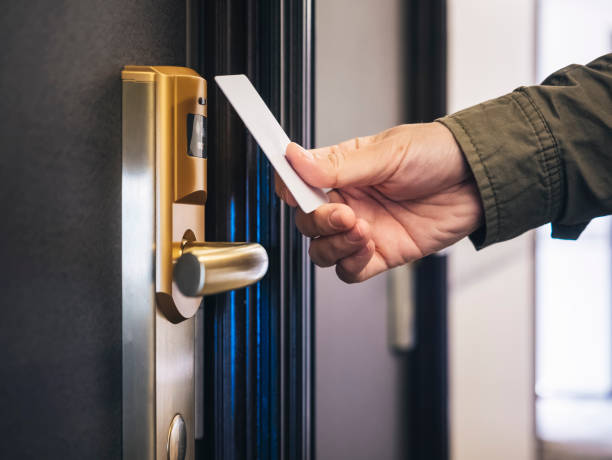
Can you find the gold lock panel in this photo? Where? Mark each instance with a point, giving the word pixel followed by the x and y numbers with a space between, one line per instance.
pixel 180 175
pixel 181 191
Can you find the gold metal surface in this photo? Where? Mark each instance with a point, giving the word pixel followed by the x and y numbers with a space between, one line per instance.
pixel 177 439
pixel 180 178
pixel 163 198
pixel 158 355
pixel 137 269
pixel 210 268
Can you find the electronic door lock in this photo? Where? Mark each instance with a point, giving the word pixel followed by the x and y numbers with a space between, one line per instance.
pixel 186 266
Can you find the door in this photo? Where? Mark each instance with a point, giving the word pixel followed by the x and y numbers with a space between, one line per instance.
pixel 60 237
pixel 60 232
pixel 257 342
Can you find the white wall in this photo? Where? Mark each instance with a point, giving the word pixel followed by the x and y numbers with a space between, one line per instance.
pixel 491 307
pixel 580 307
pixel 357 88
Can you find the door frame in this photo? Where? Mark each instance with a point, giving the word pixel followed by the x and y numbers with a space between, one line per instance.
pixel 426 367
pixel 257 399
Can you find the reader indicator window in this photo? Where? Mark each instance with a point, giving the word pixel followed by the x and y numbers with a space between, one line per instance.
pixel 196 135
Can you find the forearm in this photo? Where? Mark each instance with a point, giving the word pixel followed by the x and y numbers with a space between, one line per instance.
pixel 542 153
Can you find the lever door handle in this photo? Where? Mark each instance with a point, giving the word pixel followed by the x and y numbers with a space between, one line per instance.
pixel 210 268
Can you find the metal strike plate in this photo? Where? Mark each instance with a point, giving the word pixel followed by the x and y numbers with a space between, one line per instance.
pixel 163 196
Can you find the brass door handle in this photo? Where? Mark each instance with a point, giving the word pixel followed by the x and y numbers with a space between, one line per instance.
pixel 210 268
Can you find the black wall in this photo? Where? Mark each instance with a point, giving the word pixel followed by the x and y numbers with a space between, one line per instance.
pixel 60 216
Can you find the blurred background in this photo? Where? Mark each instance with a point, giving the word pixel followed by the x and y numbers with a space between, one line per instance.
pixel 529 321
pixel 501 354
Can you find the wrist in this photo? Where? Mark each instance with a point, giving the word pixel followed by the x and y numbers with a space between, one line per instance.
pixel 452 153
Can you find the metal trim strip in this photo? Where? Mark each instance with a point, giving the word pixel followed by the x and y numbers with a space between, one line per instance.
pixel 138 268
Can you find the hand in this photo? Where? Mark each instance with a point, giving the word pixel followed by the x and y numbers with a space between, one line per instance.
pixel 398 196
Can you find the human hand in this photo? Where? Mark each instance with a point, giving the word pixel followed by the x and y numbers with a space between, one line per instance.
pixel 397 196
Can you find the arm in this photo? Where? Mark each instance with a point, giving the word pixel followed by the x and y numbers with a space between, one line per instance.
pixel 540 154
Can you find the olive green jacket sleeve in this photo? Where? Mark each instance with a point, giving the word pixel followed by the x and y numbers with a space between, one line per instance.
pixel 542 153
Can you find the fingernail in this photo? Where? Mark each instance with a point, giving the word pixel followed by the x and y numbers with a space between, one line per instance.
pixel 355 235
pixel 335 219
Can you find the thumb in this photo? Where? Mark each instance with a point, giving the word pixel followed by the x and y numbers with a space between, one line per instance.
pixel 360 161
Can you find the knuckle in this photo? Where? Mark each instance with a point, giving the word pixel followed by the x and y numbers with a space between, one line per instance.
pixel 315 224
pixel 341 245
pixel 304 228
pixel 319 257
pixel 335 159
pixel 307 226
pixel 320 222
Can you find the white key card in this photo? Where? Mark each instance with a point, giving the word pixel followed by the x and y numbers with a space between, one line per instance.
pixel 270 136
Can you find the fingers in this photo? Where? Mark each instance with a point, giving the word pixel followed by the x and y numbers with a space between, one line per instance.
pixel 328 250
pixel 282 191
pixel 361 161
pixel 327 219
pixel 355 268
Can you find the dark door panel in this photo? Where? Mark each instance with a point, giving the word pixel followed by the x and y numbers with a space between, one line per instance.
pixel 60 230
pixel 257 364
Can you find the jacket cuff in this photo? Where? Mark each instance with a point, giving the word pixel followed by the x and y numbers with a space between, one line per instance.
pixel 515 162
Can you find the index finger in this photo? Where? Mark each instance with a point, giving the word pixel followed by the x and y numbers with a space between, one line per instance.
pixel 283 192
pixel 327 219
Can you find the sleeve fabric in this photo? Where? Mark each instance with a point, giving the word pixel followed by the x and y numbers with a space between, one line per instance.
pixel 542 153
